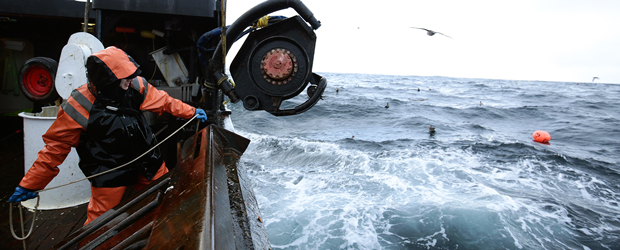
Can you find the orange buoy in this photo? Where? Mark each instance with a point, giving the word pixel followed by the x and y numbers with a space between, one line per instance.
pixel 541 136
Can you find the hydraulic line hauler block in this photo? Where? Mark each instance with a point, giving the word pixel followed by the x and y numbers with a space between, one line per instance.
pixel 275 64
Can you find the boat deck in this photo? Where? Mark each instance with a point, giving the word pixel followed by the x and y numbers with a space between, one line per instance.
pixel 51 226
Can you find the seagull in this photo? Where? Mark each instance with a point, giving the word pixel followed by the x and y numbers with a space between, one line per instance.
pixel 594 78
pixel 430 32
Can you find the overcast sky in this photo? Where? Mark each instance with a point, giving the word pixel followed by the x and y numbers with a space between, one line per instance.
pixel 547 40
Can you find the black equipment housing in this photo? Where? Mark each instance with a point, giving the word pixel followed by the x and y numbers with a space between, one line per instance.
pixel 256 92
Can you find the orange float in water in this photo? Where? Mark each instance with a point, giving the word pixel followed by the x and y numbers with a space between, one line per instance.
pixel 541 136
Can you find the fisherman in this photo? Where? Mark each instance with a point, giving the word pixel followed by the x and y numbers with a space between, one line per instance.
pixel 104 122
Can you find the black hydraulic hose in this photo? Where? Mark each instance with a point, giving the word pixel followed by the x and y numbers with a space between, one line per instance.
pixel 251 16
pixel 322 83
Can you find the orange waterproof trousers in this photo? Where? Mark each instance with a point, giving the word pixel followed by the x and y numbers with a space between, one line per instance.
pixel 103 199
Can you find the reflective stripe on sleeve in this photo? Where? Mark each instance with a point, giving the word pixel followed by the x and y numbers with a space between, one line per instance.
pixel 139 84
pixel 72 111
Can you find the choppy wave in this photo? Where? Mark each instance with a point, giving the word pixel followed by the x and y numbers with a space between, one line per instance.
pixel 351 174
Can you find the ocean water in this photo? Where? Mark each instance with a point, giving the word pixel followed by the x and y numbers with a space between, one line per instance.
pixel 352 174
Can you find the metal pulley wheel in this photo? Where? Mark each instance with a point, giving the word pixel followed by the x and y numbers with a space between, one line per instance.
pixel 280 67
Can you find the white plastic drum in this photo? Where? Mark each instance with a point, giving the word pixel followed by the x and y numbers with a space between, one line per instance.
pixel 67 196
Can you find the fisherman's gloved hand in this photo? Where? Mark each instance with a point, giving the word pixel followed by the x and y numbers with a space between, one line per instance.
pixel 22 194
pixel 200 114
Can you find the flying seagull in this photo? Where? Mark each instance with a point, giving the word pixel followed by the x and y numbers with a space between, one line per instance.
pixel 594 78
pixel 430 32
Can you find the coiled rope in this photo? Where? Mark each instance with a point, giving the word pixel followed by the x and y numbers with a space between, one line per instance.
pixel 21 219
pixel 23 238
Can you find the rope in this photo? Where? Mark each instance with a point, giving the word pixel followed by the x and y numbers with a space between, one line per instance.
pixel 155 69
pixel 21 218
pixel 262 22
pixel 224 33
pixel 221 80
pixel 116 168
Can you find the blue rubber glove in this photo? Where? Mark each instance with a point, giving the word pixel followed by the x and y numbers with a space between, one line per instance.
pixel 22 194
pixel 200 114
